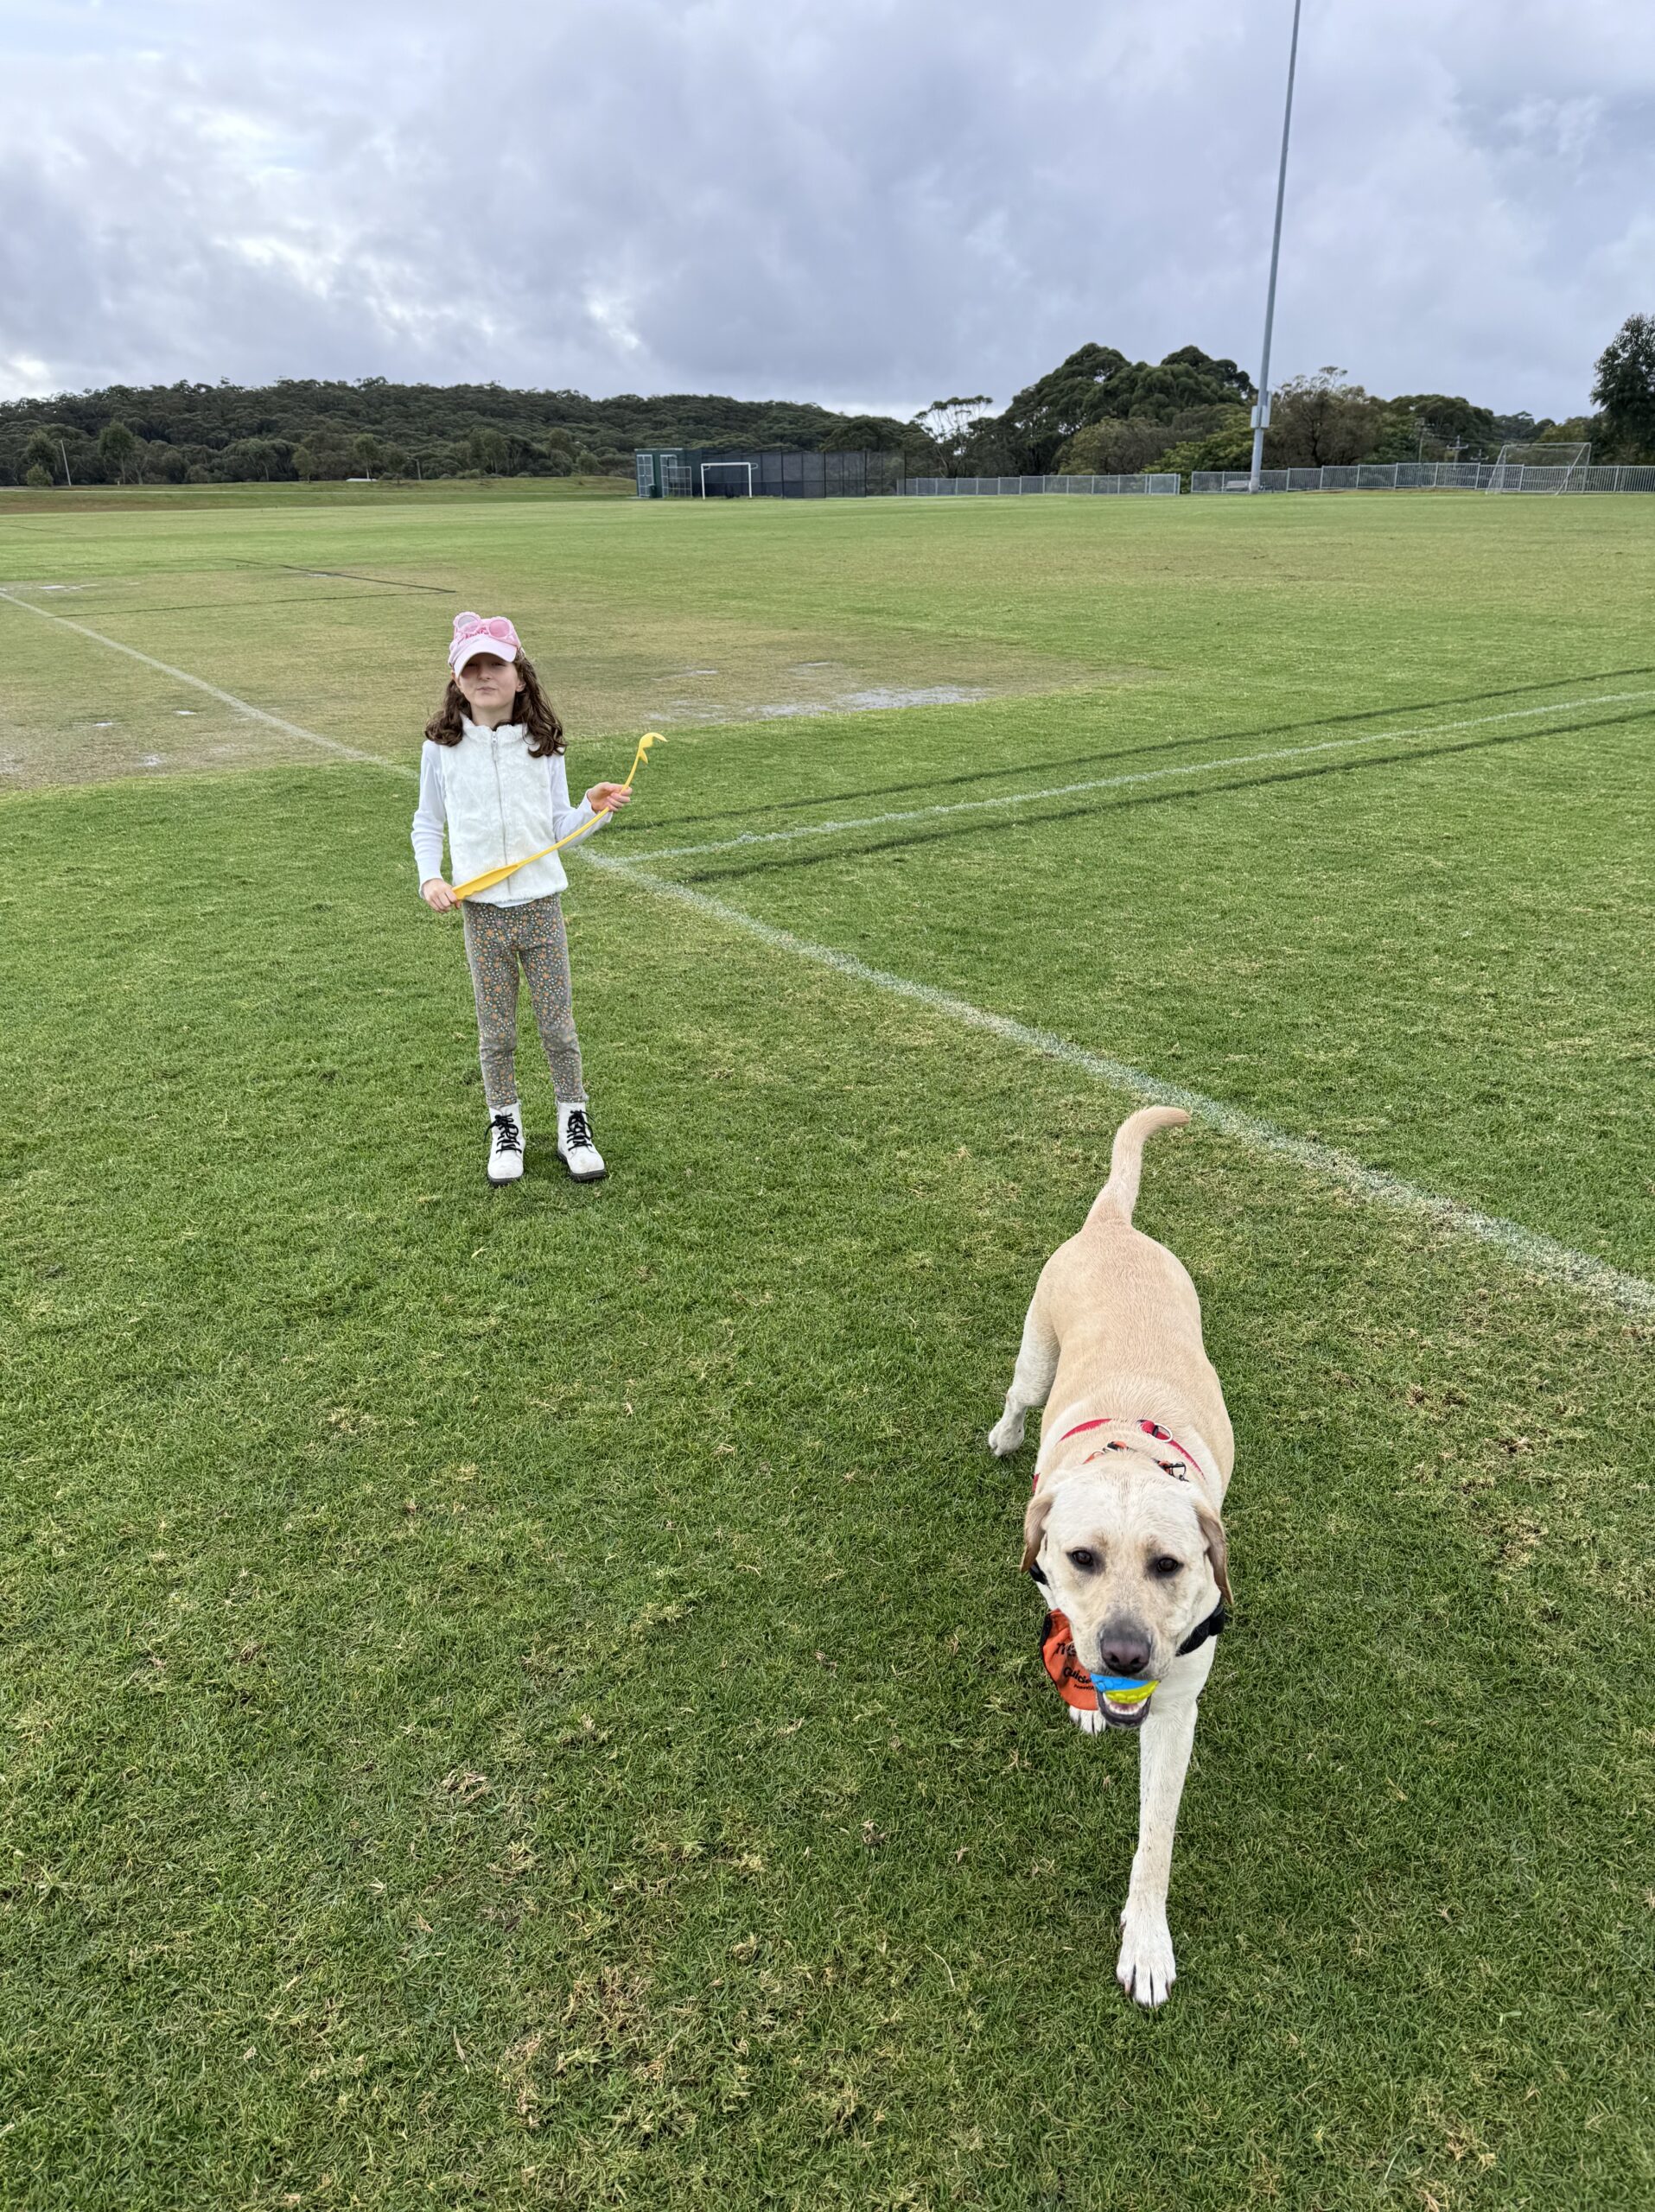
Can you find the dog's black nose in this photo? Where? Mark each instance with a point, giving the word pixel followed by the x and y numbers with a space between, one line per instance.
pixel 1125 1651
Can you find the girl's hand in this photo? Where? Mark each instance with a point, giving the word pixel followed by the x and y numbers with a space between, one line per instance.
pixel 437 895
pixel 604 799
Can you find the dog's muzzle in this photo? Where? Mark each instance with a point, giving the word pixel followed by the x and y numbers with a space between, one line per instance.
pixel 1123 1700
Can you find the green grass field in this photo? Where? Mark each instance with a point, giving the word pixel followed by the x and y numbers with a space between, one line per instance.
pixel 527 1698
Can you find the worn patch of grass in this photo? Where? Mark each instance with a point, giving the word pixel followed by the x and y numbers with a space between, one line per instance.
pixel 526 1697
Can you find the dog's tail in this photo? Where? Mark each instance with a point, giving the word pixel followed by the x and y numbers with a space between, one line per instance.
pixel 1120 1194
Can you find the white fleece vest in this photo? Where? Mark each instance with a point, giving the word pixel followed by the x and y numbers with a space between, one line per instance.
pixel 501 802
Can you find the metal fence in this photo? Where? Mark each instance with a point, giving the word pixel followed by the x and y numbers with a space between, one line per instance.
pixel 1430 476
pixel 932 487
pixel 676 473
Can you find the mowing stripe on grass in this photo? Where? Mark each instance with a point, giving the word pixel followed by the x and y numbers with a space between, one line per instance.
pixel 200 684
pixel 1541 1254
pixel 1115 782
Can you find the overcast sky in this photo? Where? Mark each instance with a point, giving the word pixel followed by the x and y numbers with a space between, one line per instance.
pixel 870 203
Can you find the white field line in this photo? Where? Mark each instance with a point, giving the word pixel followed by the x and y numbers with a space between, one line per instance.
pixel 200 683
pixel 1539 1254
pixel 1116 783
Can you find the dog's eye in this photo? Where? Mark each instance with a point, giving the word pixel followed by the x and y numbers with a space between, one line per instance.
pixel 1084 1560
pixel 1166 1567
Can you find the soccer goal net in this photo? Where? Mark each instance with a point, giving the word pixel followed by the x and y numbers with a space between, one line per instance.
pixel 727 479
pixel 1541 468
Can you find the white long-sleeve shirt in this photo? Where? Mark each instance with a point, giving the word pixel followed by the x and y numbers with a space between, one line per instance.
pixel 498 803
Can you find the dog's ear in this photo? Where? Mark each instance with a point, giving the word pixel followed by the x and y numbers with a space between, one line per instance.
pixel 1218 1550
pixel 1035 1515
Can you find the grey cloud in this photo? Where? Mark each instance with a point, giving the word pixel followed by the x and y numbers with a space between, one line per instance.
pixel 868 204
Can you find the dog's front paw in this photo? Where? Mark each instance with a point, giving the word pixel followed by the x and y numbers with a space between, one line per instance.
pixel 1007 1435
pixel 1145 1969
pixel 1089 1722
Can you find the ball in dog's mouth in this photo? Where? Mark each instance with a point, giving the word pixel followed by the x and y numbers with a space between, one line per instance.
pixel 1122 1700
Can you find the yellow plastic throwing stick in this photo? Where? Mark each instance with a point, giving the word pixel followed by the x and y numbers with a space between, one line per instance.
pixel 649 737
pixel 491 876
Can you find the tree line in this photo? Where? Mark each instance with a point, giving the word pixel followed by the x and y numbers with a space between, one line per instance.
pixel 301 428
pixel 1097 413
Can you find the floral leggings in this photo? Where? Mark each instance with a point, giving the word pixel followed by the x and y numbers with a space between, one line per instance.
pixel 496 938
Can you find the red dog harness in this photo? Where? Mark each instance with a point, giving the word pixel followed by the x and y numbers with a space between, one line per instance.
pixel 1073 1684
pixel 1178 1468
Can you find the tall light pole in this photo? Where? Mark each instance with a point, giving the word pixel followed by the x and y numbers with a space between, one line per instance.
pixel 1261 413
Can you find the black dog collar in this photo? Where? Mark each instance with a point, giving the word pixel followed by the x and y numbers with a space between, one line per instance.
pixel 1198 1635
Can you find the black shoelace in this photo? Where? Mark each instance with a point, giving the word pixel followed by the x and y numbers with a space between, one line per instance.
pixel 507 1135
pixel 579 1132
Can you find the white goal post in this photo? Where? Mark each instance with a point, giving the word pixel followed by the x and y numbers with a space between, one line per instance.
pixel 729 491
pixel 1537 467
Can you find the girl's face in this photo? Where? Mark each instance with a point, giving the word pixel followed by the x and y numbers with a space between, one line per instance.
pixel 488 686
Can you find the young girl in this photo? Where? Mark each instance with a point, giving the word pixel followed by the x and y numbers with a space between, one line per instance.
pixel 492 768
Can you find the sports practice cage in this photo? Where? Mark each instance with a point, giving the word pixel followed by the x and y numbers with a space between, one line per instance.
pixel 732 472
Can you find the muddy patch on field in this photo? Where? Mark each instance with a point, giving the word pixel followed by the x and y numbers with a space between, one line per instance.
pixel 300 643
pixel 40 755
pixel 754 685
pixel 818 690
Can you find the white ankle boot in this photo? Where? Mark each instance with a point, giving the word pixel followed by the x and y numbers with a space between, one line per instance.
pixel 574 1145
pixel 506 1145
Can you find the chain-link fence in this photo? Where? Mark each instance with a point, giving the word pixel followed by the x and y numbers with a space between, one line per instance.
pixel 692 471
pixel 1431 476
pixel 933 487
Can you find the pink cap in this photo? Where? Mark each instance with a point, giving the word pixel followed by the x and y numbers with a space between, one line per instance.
pixel 473 634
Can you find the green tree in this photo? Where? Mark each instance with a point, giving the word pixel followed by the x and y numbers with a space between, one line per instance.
pixel 1228 444
pixel 1321 420
pixel 248 458
pixel 947 425
pixel 1440 426
pixel 73 450
pixel 1624 387
pixel 38 478
pixel 865 434
pixel 1097 382
pixel 1045 415
pixel 1579 429
pixel 41 453
pixel 1116 445
pixel 117 445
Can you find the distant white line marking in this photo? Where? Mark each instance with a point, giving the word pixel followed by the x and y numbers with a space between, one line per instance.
pixel 1115 782
pixel 1541 1254
pixel 200 683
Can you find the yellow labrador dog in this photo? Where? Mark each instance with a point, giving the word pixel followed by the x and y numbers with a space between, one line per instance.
pixel 1123 1529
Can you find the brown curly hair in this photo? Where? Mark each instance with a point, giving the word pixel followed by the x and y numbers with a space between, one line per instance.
pixel 530 707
